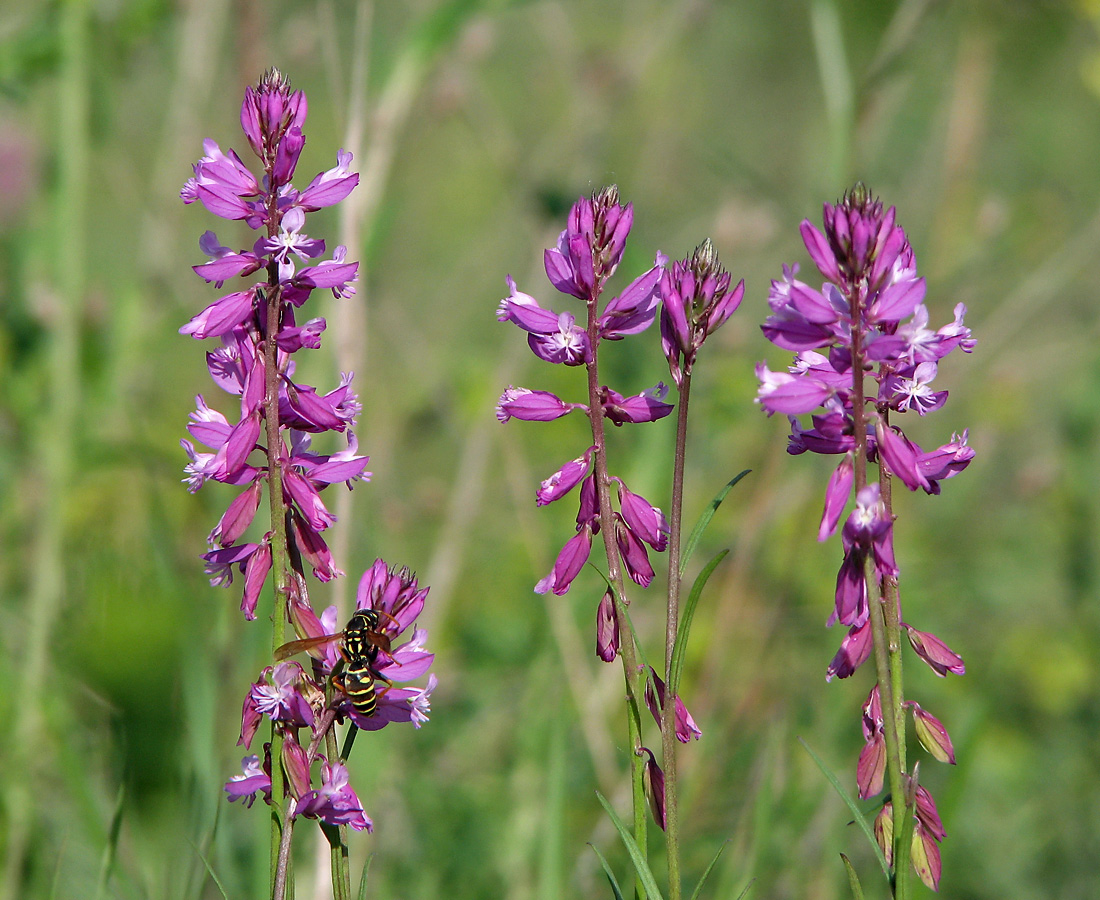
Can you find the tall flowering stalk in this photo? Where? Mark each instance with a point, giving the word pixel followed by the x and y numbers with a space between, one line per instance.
pixel 587 254
pixel 270 444
pixel 696 300
pixel 869 321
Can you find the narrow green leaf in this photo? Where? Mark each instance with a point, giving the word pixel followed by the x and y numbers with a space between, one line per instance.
pixel 109 852
pixel 704 521
pixel 607 871
pixel 856 814
pixel 686 615
pixel 706 872
pixel 640 865
pixel 748 886
pixel 853 878
pixel 210 871
pixel 363 878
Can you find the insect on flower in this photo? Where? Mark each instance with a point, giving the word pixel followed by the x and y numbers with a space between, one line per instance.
pixel 355 675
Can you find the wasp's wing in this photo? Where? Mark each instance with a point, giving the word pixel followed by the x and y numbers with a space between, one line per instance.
pixel 292 647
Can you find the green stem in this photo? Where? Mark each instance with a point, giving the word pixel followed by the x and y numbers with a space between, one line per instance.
pixel 280 557
pixel 672 624
pixel 882 610
pixel 338 839
pixel 894 713
pixel 615 576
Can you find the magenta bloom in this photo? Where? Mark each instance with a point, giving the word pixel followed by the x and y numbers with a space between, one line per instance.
pixel 253 779
pixel 864 357
pixel 334 803
pixel 587 253
pixel 258 334
pixel 696 300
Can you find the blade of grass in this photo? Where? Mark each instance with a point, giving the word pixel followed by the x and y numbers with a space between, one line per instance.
pixel 704 520
pixel 110 851
pixel 210 870
pixel 853 878
pixel 640 865
pixel 851 804
pixel 607 871
pixel 363 878
pixel 687 614
pixel 706 872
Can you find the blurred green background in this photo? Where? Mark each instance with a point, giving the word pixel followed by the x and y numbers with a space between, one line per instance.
pixel 475 125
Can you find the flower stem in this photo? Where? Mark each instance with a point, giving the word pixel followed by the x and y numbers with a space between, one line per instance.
pixel 882 607
pixel 615 576
pixel 280 826
pixel 672 624
pixel 338 840
pixel 894 713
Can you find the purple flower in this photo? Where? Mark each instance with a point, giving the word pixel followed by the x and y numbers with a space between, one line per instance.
pixel 587 254
pixel 686 729
pixel 607 628
pixel 872 300
pixel 696 300
pixel 279 696
pixel 644 519
pixel 836 497
pixel 592 244
pixel 871 767
pixel 564 480
pixel 532 406
pixel 655 786
pixel 648 406
pixel 252 780
pixel 393 592
pixel 634 310
pixel 633 554
pixel 569 563
pixel 854 651
pixel 940 658
pixel 932 735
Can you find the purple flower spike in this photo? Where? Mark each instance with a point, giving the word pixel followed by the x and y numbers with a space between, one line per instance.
pixel 696 301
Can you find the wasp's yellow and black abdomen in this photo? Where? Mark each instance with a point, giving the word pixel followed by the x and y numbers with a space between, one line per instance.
pixel 358 682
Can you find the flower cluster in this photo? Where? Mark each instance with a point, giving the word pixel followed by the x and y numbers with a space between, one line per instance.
pixel 270 444
pixel 868 319
pixel 295 699
pixel 695 302
pixel 272 117
pixel 586 256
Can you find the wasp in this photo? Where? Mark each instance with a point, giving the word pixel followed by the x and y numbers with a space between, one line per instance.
pixel 356 674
